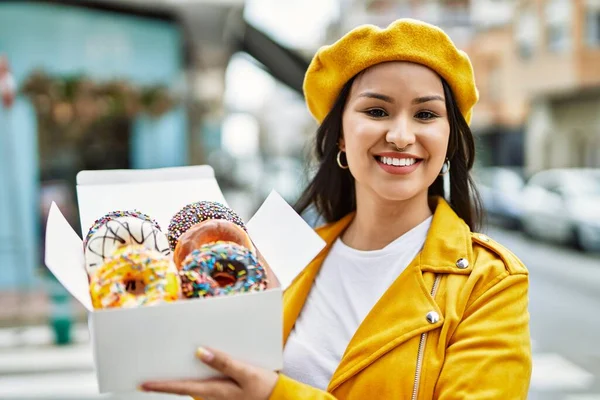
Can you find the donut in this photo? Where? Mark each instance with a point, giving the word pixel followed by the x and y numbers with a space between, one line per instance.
pixel 221 268
pixel 195 213
pixel 209 231
pixel 134 263
pixel 120 228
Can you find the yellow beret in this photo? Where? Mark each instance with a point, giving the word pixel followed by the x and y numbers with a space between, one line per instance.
pixel 368 45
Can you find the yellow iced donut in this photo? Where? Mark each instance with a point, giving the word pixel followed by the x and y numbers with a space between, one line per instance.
pixel 134 263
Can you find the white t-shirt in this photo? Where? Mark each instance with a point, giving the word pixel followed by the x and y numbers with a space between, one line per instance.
pixel 347 287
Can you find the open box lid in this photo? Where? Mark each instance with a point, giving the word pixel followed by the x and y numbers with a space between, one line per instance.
pixel 286 242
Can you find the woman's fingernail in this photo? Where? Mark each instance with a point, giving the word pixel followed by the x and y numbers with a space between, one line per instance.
pixel 141 388
pixel 204 354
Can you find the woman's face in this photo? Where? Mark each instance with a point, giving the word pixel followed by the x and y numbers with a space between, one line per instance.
pixel 390 105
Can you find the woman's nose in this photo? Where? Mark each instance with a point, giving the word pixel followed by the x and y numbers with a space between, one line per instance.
pixel 400 133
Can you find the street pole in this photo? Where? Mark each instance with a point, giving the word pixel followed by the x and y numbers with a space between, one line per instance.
pixel 60 317
pixel 15 236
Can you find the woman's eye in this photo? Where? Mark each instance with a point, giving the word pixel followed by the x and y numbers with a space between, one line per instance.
pixel 376 113
pixel 425 115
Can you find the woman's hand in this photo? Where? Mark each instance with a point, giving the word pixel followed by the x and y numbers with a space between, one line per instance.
pixel 245 381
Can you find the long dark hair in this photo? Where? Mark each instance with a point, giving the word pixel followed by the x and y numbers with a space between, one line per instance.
pixel 331 190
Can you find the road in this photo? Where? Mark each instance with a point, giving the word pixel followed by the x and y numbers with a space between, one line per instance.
pixel 565 329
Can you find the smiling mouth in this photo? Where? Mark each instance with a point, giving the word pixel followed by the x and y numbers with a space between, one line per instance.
pixel 397 162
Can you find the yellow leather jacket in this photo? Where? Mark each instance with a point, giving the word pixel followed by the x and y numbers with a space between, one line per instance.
pixel 454 324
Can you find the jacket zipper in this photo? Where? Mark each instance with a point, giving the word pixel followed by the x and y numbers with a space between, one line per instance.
pixel 422 342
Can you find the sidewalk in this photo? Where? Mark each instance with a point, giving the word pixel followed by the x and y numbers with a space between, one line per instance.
pixel 31 367
pixel 33 308
pixel 36 337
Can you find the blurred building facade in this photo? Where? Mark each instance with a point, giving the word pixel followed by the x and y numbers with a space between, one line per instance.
pixel 454 16
pixel 499 116
pixel 560 71
pixel 539 82
pixel 61 55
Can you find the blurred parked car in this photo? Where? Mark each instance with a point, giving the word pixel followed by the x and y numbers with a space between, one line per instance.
pixel 501 194
pixel 563 205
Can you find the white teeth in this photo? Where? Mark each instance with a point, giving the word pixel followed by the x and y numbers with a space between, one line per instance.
pixel 398 162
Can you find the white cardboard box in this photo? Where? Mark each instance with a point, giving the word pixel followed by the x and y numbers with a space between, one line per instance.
pixel 158 342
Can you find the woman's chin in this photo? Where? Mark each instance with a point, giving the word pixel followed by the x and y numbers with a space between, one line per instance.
pixel 397 195
pixel 391 190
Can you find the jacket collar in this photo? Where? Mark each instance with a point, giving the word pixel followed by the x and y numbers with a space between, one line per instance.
pixel 448 241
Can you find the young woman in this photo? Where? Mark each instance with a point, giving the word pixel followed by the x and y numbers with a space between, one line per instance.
pixel 405 302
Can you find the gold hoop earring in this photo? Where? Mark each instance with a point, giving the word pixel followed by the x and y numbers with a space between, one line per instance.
pixel 339 161
pixel 445 167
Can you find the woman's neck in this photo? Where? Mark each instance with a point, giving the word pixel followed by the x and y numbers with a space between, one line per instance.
pixel 379 222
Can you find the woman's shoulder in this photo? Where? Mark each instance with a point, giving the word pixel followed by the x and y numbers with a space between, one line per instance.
pixel 493 259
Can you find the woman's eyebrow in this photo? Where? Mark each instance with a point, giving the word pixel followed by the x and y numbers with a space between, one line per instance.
pixel 388 99
pixel 425 99
pixel 373 95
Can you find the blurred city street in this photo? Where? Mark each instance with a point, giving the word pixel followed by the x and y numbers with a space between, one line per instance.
pixel 564 304
pixel 151 84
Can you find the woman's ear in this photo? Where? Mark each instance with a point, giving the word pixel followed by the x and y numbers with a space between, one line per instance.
pixel 342 144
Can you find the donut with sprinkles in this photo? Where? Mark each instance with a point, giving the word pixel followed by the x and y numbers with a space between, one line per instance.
pixel 219 269
pixel 134 263
pixel 195 213
pixel 120 228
